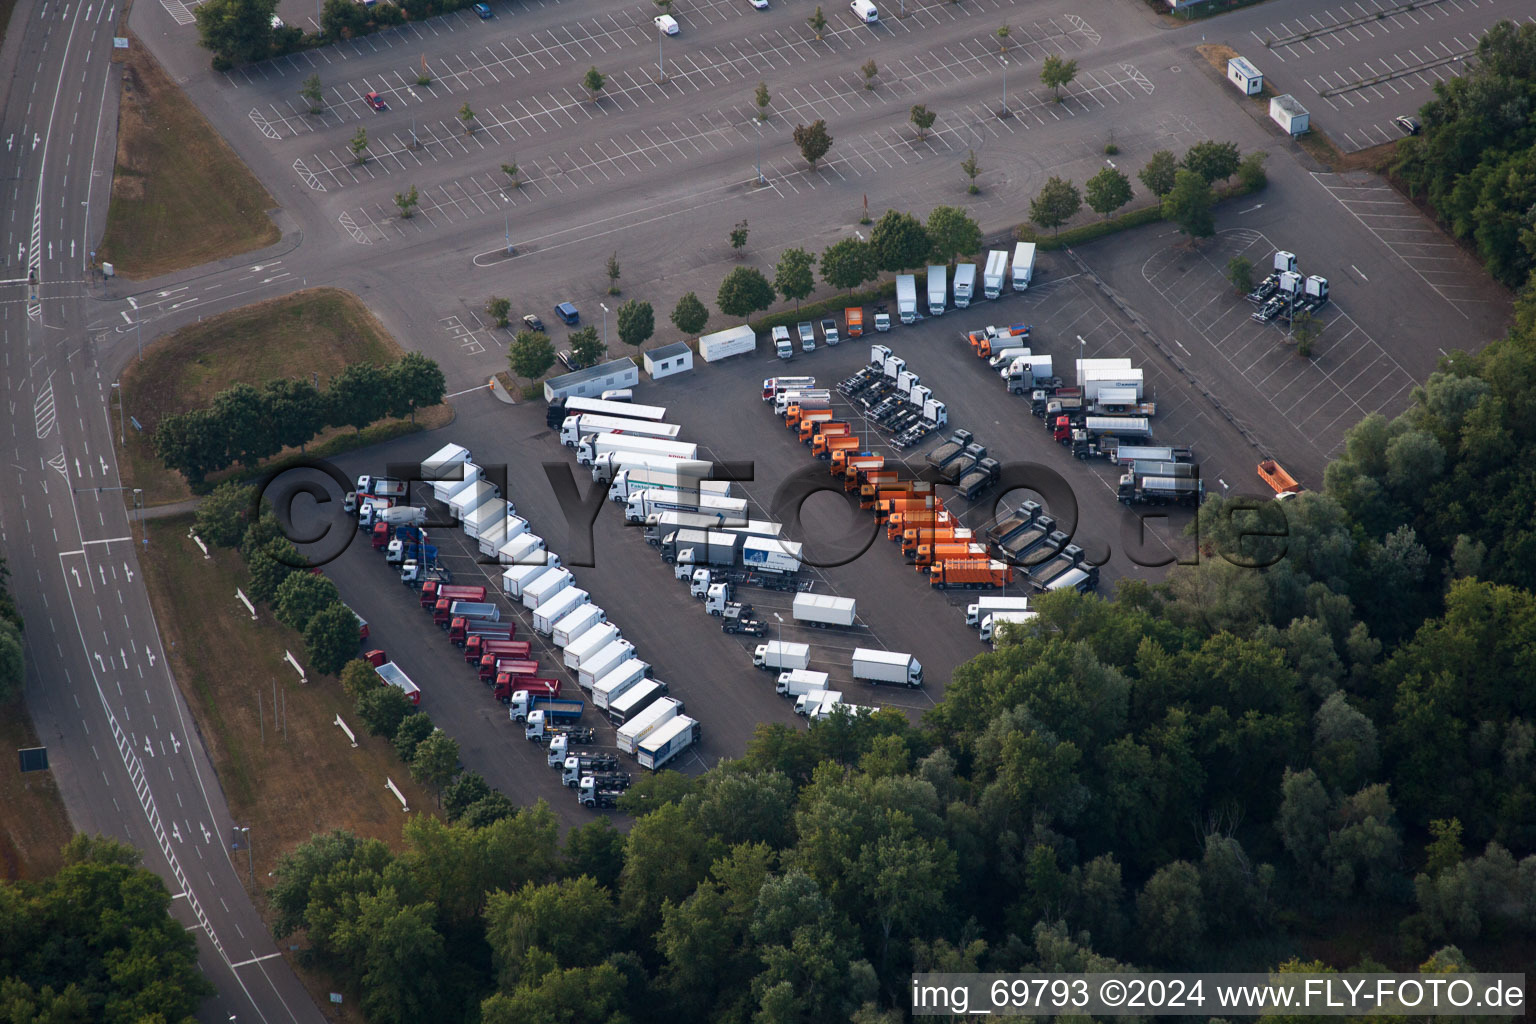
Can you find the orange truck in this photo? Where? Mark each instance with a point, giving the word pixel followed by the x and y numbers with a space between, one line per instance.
pixel 972 573
pixel 855 478
pixel 872 494
pixel 908 520
pixel 822 428
pixel 853 316
pixel 794 410
pixel 811 416
pixel 989 338
pixel 947 551
pixel 914 537
pixel 907 504
pixel 1272 473
pixel 839 451
pixel 823 445
pixel 857 464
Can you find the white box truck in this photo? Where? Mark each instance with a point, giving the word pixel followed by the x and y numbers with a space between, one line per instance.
pixel 1023 265
pixel 997 270
pixel 452 479
pixel 780 557
pixel 516 577
pixel 612 684
pixel 780 656
pixel 644 504
pixel 546 587
pixel 1081 366
pixel 823 610
pixel 558 607
pixel 906 298
pixel 686 475
pixel 733 341
pixel 526 548
pixel 666 742
pixel 602 444
pixel 576 622
pixel 577 427
pixel 938 289
pixel 965 284
pixel 886 667
pixel 808 702
pixel 603 662
pixel 590 642
pixel 988 605
pixel 648 721
pixel 470 498
pixel 484 516
pixel 799 681
pixel 993 620
pixel 635 699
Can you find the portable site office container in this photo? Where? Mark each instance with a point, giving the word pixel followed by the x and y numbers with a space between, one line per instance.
pixel 1290 115
pixel 1245 76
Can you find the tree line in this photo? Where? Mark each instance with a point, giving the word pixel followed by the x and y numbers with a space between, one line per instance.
pixel 245 424
pixel 13 663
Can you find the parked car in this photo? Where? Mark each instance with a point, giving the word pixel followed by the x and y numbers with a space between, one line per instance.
pixel 484 10
pixel 376 101
pixel 1409 125
pixel 566 360
pixel 666 23
pixel 761 5
pixel 568 313
pixel 533 323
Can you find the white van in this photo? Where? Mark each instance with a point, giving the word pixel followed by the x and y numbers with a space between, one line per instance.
pixel 864 11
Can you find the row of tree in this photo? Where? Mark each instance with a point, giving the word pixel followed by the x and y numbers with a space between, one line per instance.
pixel 246 424
pixel 13 664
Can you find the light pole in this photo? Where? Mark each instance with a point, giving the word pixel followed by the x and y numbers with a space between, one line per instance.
pixel 506 221
pixel 759 151
pixel 604 307
pixel 138 330
pixel 661 58
pixel 245 830
pixel 1004 111
pixel 122 438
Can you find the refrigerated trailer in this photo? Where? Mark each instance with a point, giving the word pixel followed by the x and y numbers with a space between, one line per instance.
pixel 665 743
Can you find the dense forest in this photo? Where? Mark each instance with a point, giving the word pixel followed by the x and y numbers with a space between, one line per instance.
pixel 1318 748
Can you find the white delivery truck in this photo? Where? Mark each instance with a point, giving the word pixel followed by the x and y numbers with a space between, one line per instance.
pixel 577 427
pixel 965 284
pixel 987 605
pixel 577 622
pixel 666 742
pixel 451 479
pixel 590 642
pixel 603 662
pixel 997 270
pixel 808 702
pixel 484 516
pixel 598 445
pixel 993 620
pixel 526 548
pixel 797 682
pixel 780 656
pixel 635 700
pixel 643 504
pixel 612 684
pixel 1023 265
pixel 470 498
pixel 517 577
pixel 886 667
pixel 906 298
pixel 643 724
pixel 733 341
pixel 823 610
pixel 938 289
pixel 546 587
pixel 686 475
pixel 558 607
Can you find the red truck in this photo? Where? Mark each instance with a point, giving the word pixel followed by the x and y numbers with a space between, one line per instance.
pixel 537 687
pixel 490 664
pixel 461 629
pixel 375 658
pixel 476 648
pixel 432 591
pixel 498 667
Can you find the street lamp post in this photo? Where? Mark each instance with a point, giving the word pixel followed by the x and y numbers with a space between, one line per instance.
pixel 1004 111
pixel 604 307
pixel 122 437
pixel 249 857
pixel 506 221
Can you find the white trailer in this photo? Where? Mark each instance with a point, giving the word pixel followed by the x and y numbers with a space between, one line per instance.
pixel 965 284
pixel 577 427
pixel 452 479
pixel 648 721
pixel 605 467
pixel 666 742
pixel 1081 366
pixel 635 699
pixel 527 548
pixel 597 445
pixel 823 610
pixel 938 289
pixel 446 464
pixel 614 683
pixel 808 702
pixel 484 516
pixel 546 587
pixel 878 667
pixel 686 475
pixel 993 620
pixel 996 271
pixel 797 682
pixel 554 609
pixel 644 504
pixel 470 498
pixel 906 298
pixel 1097 385
pixel 733 341
pixel 589 643
pixel 493 536
pixel 628 410
pixel 516 578
pixel 781 656
pixel 988 605
pixel 603 662
pixel 1023 265
pixel 576 622
pixel 781 557
pixel 512 528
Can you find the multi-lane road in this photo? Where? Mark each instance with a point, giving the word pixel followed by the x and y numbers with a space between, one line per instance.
pixel 657 171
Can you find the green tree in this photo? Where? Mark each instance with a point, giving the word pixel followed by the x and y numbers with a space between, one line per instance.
pixel 818 23
pixel 871 73
pixel 813 139
pixel 636 322
pixel 1057 202
pixel 415 382
pixel 193 443
pixel 356 396
pixel 358 677
pixel 331 638
pixel 690 315
pixel 300 597
pixel 531 354
pixel 511 171
pixel 221 515
pixel 1240 273
pixel 13 664
pixel 1213 161
pixel 922 119
pixel 1189 205
pixel 1056 72
pixel 971 168
pixel 398 956
pixel 499 309
pixel 595 849
pixel 408 737
pixel 469 788
pixel 238 31
pixel 793 276
pixel 953 233
pixel 1003 32
pixel 593 81
pixel 1107 191
pixel 1444 853
pixel 407 201
pixel 297 410
pixel 586 347
pixel 1159 173
pixel 436 762
pixel 1305 329
pixel 359 145
pixel 762 98
pixel 269 566
pixel 611 268
pixel 848 263
pixel 467 117
pixel 744 291
pixel 343 19
pixel 382 710
pixel 899 241
pixel 1169 912
pixel 246 423
pixel 1251 171
pixel 313 94
pixel 739 238
pixel 570 920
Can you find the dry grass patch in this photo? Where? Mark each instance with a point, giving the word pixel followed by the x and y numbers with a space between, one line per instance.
pixel 33 823
pixel 180 195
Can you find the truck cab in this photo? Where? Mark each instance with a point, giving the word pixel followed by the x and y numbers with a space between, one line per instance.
pixel 781 343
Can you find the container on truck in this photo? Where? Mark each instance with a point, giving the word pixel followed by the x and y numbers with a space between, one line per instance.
pixel 781 656
pixel 527 548
pixel 478 648
pixel 783 347
pixel 590 642
pixel 644 504
pixel 1081 579
pixel 853 320
pixel 395 676
pixel 709 547
pixel 987 605
pixel 1281 482
pixel 878 667
pixel 799 681
pixel 560 408
pixel 965 284
pixel 643 723
pixel 635 699
pixel 577 427
pixel 470 498
pixel 555 709
pixel 556 607
pixel 823 610
pixel 938 288
pixel 996 270
pixel 596 445
pixel 507 686
pixel 906 298
pixel 613 684
pixel 444 462
pixel 516 578
pixel 808 702
pixel 664 743
pixel 733 341
pixel 605 661
pixel 992 620
pixel 1023 265
pixel 577 622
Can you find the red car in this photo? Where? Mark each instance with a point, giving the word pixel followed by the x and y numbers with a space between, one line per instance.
pixel 376 101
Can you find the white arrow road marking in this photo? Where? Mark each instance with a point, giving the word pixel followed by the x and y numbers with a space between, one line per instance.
pixel 148 747
pixel 175 832
pixel 175 743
